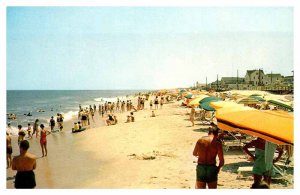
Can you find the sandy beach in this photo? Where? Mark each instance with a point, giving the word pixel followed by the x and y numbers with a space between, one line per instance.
pixel 150 153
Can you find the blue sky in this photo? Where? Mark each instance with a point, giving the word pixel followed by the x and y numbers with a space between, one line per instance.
pixel 143 47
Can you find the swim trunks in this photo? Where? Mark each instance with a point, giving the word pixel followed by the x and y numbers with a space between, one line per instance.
pixel 207 173
pixel 25 180
pixel 9 150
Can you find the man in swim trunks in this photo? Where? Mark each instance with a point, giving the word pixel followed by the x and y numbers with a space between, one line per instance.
pixel 207 149
pixel 8 150
pixel 24 164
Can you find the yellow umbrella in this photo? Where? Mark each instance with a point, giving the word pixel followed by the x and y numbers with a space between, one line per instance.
pixel 276 127
pixel 224 104
pixel 195 101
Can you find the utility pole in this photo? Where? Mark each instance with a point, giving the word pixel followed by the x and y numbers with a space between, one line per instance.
pixel 271 77
pixel 237 80
pixel 259 77
pixel 217 82
pixel 206 83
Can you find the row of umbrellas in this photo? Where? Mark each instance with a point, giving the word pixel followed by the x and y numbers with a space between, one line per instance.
pixel 253 99
pixel 273 126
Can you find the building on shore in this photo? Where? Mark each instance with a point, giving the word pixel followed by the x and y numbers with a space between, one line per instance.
pixel 255 80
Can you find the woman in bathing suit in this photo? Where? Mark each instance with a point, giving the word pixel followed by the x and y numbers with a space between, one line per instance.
pixel 43 140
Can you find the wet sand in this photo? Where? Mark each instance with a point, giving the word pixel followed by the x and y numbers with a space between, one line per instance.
pixel 151 153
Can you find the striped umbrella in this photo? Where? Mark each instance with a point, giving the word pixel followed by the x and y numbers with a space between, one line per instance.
pixel 281 104
pixel 260 99
pixel 247 101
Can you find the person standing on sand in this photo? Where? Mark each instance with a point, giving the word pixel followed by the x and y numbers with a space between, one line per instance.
pixel 156 103
pixel 192 116
pixel 92 114
pixel 259 168
pixel 151 104
pixel 52 123
pixel 24 164
pixel 8 150
pixel 207 149
pixel 36 127
pixel 43 140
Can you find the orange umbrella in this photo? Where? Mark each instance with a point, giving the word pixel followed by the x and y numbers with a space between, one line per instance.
pixel 276 127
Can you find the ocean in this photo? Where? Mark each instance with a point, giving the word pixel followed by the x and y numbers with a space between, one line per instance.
pixel 42 104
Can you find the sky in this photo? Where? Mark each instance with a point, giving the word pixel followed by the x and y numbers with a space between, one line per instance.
pixel 143 47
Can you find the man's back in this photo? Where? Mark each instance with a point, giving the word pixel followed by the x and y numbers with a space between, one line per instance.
pixel 207 150
pixel 24 163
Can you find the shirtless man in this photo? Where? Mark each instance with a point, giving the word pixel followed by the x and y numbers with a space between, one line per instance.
pixel 24 164
pixel 207 149
pixel 8 150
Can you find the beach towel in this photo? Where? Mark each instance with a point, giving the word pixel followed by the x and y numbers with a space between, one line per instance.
pixel 269 154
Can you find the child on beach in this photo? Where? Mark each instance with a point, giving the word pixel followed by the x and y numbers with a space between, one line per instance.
pixel 132 117
pixel 153 114
pixel 29 131
pixel 110 120
pixel 21 134
pixel 151 103
pixel 76 127
pixel 128 119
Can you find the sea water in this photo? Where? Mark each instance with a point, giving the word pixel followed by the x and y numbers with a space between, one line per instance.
pixel 42 104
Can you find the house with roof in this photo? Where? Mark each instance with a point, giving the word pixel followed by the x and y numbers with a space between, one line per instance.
pixel 255 77
pixel 273 79
pixel 231 82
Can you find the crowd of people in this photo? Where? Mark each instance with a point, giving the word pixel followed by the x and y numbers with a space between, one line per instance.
pixel 25 163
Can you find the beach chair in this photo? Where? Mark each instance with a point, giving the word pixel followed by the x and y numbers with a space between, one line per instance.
pixel 244 170
pixel 281 167
pixel 207 117
pixel 232 140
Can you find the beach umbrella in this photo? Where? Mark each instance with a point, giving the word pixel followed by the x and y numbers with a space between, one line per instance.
pixel 260 99
pixel 207 107
pixel 204 103
pixel 223 104
pixel 195 101
pixel 210 99
pixel 247 101
pixel 189 96
pixel 273 126
pixel 281 104
pixel 255 94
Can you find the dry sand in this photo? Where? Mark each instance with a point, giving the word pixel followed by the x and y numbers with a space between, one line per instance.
pixel 151 153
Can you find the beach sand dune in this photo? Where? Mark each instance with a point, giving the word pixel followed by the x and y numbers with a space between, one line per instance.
pixel 150 153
